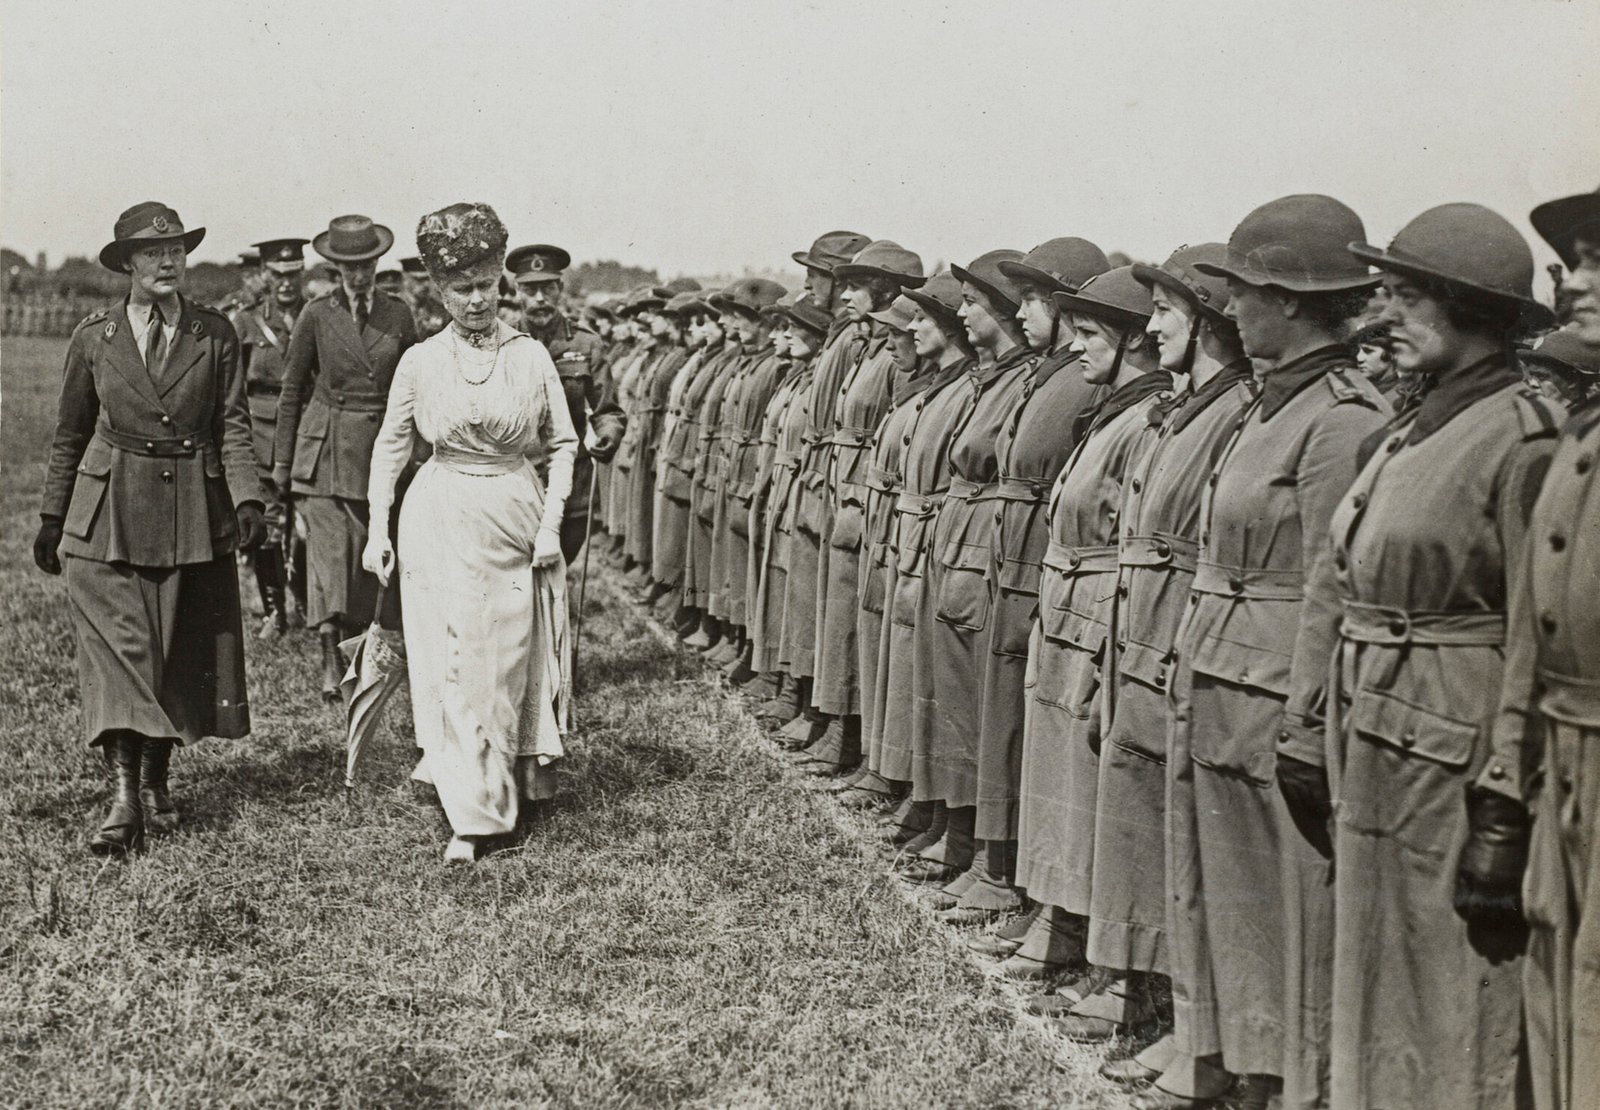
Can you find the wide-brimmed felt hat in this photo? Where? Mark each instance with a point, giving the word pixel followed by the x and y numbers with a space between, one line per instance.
pixel 1115 296
pixel 641 300
pixel 984 274
pixel 831 249
pixel 810 315
pixel 1296 243
pixel 282 256
pixel 898 315
pixel 537 262
pixel 353 239
pixel 1466 247
pixel 1058 265
pixel 678 285
pixel 145 223
pixel 886 259
pixel 1565 349
pixel 747 296
pixel 940 298
pixel 1560 221
pixel 1182 276
pixel 686 302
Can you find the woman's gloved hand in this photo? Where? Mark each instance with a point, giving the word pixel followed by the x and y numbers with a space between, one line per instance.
pixel 378 556
pixel 547 548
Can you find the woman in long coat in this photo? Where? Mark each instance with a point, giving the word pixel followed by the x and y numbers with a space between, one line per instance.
pixel 150 487
pixel 1427 985
pixel 480 540
pixel 1265 905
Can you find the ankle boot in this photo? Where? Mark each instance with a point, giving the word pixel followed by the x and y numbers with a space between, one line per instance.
pixel 332 664
pixel 269 582
pixel 160 812
pixel 122 831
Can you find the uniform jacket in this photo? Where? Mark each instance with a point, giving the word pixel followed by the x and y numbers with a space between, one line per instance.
pixel 681 433
pixel 264 349
pixel 862 401
pixel 1263 528
pixel 146 466
pixel 838 356
pixel 335 391
pixel 579 355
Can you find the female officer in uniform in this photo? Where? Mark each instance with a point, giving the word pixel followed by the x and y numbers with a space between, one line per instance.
pixel 150 487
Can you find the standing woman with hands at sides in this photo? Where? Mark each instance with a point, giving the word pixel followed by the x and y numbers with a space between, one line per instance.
pixel 481 572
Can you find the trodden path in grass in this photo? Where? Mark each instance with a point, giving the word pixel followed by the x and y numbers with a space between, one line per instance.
pixel 692 925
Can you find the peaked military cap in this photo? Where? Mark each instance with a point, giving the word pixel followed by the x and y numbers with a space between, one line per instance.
pixel 145 223
pixel 283 256
pixel 538 262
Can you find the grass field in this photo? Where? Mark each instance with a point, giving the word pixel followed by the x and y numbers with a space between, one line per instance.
pixel 691 925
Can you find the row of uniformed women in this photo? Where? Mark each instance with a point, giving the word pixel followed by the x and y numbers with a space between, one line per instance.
pixel 1138 639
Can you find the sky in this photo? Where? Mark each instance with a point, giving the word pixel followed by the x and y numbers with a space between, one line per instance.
pixel 702 136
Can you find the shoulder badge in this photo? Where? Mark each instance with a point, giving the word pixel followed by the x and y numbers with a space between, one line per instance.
pixel 111 329
pixel 1538 415
pixel 196 327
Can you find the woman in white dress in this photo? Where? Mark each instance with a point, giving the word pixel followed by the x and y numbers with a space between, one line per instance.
pixel 481 573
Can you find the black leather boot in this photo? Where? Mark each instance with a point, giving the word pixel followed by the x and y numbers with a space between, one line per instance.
pixel 160 812
pixel 332 664
pixel 270 584
pixel 122 831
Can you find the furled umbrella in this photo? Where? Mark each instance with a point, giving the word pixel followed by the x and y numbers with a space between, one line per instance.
pixel 377 666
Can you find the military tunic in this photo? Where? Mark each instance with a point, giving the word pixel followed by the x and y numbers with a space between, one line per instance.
pixel 1422 546
pixel 1128 910
pixel 334 394
pixel 924 476
pixel 1546 753
pixel 809 510
pixel 772 516
pixel 1031 447
pixel 629 370
pixel 863 398
pixel 730 586
pixel 707 464
pixel 1265 898
pixel 680 436
pixel 1077 593
pixel 264 351
pixel 641 444
pixel 146 469
pixel 586 380
pixel 951 629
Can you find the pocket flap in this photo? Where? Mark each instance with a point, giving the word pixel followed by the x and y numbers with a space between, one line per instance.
pixel 967 556
pixel 1243 664
pixel 1069 627
pixel 97 457
pixel 1147 664
pixel 1413 728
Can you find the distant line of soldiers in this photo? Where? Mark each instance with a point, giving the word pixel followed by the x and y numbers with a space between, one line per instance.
pixel 1226 680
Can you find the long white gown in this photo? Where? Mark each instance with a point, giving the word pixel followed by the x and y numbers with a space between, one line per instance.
pixel 485 630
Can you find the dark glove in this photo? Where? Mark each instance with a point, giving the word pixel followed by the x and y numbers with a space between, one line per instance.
pixel 45 544
pixel 1304 787
pixel 252 526
pixel 607 438
pixel 1489 875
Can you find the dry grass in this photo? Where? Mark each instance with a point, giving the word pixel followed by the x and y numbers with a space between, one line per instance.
pixel 690 926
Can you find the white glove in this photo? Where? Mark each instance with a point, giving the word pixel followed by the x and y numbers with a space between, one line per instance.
pixel 378 557
pixel 547 548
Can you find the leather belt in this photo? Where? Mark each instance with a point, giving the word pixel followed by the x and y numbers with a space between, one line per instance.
pixel 351 402
pixel 262 389
pixel 155 446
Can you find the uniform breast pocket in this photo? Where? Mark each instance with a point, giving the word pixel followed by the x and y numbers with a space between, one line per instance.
pixel 964 591
pixel 89 490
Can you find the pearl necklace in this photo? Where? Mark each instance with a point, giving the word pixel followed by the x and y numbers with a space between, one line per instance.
pixel 475 415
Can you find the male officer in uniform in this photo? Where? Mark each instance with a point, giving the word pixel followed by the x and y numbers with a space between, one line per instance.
pixel 579 358
pixel 263 348
pixel 341 361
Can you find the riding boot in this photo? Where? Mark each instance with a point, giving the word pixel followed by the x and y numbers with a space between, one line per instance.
pixel 332 664
pixel 160 812
pixel 269 580
pixel 122 831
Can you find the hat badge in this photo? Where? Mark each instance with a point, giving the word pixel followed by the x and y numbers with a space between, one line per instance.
pixel 159 223
pixel 536 263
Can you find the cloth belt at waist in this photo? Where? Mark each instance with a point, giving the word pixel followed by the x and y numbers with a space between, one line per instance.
pixel 1069 559
pixel 960 487
pixel 152 446
pixel 1380 624
pixel 882 479
pixel 351 402
pixel 789 459
pixel 851 437
pixel 1159 551
pixel 1260 583
pixel 477 464
pixel 1032 490
pixel 1570 698
pixel 917 504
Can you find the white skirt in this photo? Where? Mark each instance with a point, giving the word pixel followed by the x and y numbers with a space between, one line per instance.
pixel 486 639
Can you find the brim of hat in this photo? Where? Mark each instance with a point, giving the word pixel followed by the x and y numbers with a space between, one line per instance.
pixel 650 305
pixel 805 259
pixel 1087 306
pixel 1260 281
pixel 848 270
pixel 113 253
pixel 935 308
pixel 1021 271
pixel 967 277
pixel 1148 275
pixel 284 267
pixel 319 243
pixel 1558 222
pixel 1533 312
pixel 890 320
pixel 535 277
pixel 1539 358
